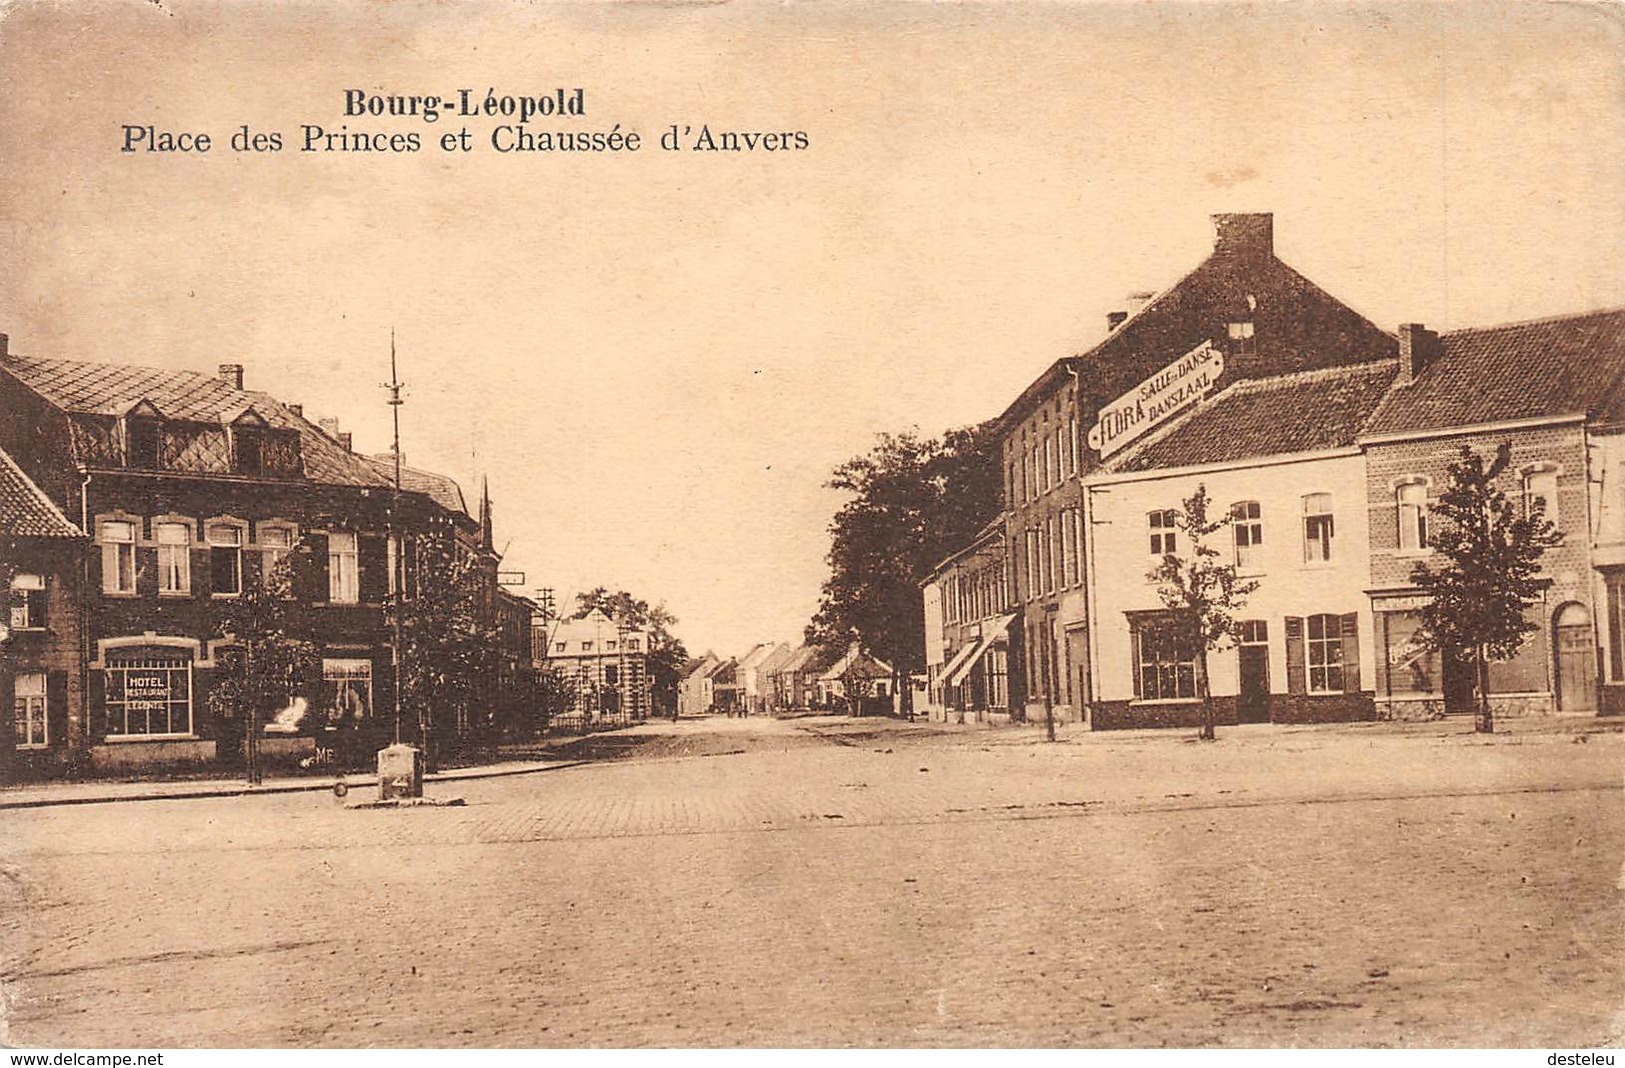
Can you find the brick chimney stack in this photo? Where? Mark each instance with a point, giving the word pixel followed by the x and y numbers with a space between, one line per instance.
pixel 5 346
pixel 1115 319
pixel 1418 347
pixel 1251 235
pixel 344 440
pixel 232 375
pixel 297 409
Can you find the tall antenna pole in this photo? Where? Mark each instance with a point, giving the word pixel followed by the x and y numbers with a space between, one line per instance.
pixel 398 577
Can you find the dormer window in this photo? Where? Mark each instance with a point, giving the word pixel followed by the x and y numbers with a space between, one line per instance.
pixel 247 450
pixel 141 439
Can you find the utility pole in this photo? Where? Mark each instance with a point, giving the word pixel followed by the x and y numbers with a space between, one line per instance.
pixel 397 577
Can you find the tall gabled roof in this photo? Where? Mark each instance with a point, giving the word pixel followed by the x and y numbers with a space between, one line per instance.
pixel 1568 365
pixel 25 511
pixel 1295 413
pixel 104 389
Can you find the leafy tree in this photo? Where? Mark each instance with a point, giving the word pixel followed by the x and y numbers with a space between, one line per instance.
pixel 1489 569
pixel 449 650
pixel 666 652
pixel 265 662
pixel 1202 595
pixel 911 502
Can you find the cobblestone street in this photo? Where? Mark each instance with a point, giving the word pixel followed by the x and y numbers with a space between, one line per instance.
pixel 838 882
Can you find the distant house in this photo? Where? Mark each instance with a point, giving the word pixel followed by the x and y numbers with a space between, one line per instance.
pixel 694 696
pixel 604 665
pixel 766 698
pixel 850 679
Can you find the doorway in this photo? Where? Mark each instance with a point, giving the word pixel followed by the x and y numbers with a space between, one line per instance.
pixel 1576 660
pixel 1253 654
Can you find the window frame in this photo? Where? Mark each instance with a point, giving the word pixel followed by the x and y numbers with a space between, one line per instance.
pixel 1542 471
pixel 1246 521
pixel 343 568
pixel 178 554
pixel 118 554
pixel 1324 521
pixel 28 601
pixel 240 529
pixel 25 705
pixel 1330 647
pixel 1158 641
pixel 1163 527
pixel 1412 517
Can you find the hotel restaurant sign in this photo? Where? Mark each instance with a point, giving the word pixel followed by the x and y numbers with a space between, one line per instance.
pixel 1158 397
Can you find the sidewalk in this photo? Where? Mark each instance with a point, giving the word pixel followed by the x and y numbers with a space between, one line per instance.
pixel 39 795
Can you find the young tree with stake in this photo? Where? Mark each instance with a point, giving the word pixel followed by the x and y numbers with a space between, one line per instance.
pixel 1488 572
pixel 1202 595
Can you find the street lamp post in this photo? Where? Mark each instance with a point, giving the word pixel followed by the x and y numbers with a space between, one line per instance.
pixel 1049 670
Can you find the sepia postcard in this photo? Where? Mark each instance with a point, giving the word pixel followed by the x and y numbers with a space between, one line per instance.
pixel 811 525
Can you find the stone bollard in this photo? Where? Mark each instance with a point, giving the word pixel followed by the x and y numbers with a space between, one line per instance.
pixel 400 772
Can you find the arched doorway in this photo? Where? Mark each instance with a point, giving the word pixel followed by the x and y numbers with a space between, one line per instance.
pixel 1576 649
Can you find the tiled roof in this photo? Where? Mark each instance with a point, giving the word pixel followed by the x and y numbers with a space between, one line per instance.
pixel 25 511
pixel 442 489
pixel 108 389
pixel 1571 365
pixel 1294 413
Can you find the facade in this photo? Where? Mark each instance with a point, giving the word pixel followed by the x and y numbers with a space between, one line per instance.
pixel 1240 314
pixel 41 554
pixel 604 666
pixel 694 697
pixel 851 680
pixel 1554 390
pixel 1278 455
pixel 191 488
pixel 970 633
pixel 794 681
pixel 767 698
pixel 752 698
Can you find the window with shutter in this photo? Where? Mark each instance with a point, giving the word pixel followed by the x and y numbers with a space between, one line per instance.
pixel 1351 653
pixel 1297 679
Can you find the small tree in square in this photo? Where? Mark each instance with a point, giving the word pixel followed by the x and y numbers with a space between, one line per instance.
pixel 1488 569
pixel 262 661
pixel 1203 596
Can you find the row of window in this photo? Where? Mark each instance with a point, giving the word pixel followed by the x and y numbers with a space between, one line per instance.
pixel 1165 662
pixel 633 645
pixel 247 444
pixel 1053 552
pixel 976 595
pixel 175 540
pixel 1046 463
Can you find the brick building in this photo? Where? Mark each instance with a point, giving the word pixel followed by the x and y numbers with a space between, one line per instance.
pixel 1241 313
pixel 1555 391
pixel 970 632
pixel 41 554
pixel 190 487
pixel 604 664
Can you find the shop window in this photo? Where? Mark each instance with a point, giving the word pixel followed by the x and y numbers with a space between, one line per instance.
pixel 1413 666
pixel 174 557
pixel 1247 526
pixel 1165 666
pixel 147 693
pixel 347 690
pixel 1325 654
pixel 1540 493
pixel 27 602
pixel 1164 540
pixel 117 539
pixel 1412 501
pixel 30 730
pixel 225 559
pixel 343 568
pixel 1318 528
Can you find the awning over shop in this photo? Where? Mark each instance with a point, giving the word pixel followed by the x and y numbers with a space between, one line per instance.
pixel 972 653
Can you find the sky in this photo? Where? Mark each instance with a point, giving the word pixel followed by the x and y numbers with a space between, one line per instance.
pixel 658 357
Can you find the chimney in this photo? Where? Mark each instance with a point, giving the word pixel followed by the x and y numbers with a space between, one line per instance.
pixel 232 375
pixel 1115 320
pixel 344 440
pixel 329 425
pixel 1418 347
pixel 1244 235
pixel 297 409
pixel 5 346
pixel 1135 301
